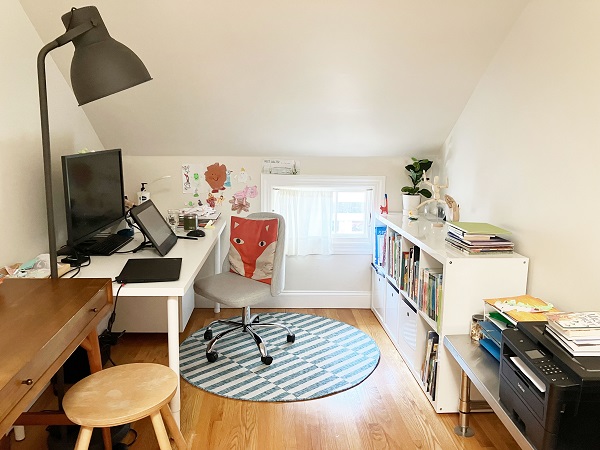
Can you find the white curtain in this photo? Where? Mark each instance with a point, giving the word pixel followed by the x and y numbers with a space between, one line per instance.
pixel 308 220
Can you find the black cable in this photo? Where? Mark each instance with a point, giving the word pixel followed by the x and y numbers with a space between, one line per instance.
pixel 77 269
pixel 113 315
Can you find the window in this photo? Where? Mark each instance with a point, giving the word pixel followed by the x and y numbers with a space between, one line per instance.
pixel 324 215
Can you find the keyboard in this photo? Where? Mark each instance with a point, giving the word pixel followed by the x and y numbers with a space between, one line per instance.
pixel 108 245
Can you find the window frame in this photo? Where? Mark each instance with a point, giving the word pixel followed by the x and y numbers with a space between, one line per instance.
pixel 341 245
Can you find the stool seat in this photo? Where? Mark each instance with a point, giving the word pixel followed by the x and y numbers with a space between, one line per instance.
pixel 123 394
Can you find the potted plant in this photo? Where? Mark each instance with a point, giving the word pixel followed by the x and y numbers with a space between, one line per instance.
pixel 411 197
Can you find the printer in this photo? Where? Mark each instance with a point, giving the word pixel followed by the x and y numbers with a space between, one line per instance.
pixel 552 397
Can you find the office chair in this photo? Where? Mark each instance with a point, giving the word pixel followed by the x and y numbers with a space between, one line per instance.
pixel 232 289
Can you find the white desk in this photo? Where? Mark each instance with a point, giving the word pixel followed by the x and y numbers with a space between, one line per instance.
pixel 193 253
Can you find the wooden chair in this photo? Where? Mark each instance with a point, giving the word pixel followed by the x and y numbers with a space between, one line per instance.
pixel 123 394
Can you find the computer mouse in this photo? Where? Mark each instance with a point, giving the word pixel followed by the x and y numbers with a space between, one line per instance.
pixel 197 233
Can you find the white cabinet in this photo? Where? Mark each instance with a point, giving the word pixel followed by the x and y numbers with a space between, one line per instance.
pixel 432 290
pixel 378 282
pixel 392 317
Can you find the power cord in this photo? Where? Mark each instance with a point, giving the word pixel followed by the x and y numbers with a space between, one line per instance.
pixel 108 337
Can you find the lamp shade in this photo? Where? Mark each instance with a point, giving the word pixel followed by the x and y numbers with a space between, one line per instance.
pixel 101 65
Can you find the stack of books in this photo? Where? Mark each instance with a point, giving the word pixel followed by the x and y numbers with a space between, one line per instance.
pixel 476 238
pixel 577 332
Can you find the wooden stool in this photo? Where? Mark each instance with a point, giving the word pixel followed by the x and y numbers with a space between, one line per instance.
pixel 123 394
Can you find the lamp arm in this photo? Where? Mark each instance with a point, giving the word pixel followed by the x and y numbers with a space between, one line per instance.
pixel 41 71
pixel 43 94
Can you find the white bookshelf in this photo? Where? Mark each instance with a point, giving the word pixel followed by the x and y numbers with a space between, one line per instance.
pixel 466 281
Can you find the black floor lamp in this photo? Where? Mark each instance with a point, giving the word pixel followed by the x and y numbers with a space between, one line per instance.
pixel 100 67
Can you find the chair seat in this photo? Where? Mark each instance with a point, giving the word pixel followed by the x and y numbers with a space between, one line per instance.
pixel 233 290
pixel 120 394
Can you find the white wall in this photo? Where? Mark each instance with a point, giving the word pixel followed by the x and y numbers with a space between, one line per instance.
pixel 314 274
pixel 525 153
pixel 23 234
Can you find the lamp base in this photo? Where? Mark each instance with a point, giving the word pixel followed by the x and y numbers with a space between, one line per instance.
pixel 75 260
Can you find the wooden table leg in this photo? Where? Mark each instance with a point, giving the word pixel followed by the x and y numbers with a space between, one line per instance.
pixel 464 407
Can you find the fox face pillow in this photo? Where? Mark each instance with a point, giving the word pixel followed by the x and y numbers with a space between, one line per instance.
pixel 252 249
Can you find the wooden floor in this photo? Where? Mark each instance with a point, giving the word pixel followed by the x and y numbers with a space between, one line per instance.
pixel 387 411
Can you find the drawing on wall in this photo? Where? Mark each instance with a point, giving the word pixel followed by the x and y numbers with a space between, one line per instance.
pixel 211 200
pixel 240 202
pixel 228 180
pixel 242 176
pixel 190 178
pixel 239 205
pixel 216 176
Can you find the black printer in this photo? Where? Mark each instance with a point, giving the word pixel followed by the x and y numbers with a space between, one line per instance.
pixel 552 397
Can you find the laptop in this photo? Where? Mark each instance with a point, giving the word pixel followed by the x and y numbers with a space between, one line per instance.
pixel 150 270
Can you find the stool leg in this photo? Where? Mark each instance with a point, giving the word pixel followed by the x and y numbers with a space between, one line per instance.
pixel 169 421
pixel 83 438
pixel 160 431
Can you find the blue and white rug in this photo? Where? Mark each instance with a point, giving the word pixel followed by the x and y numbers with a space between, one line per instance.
pixel 328 356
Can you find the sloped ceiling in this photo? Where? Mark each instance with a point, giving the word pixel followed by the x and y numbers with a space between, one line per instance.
pixel 290 78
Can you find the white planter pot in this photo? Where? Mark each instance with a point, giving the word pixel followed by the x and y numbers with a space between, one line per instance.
pixel 410 203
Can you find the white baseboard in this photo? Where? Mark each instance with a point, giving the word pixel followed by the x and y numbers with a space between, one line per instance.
pixel 309 299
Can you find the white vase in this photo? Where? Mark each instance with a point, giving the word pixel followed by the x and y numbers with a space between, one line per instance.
pixel 410 203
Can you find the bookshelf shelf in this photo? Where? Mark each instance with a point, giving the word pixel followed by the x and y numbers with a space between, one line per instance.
pixel 422 287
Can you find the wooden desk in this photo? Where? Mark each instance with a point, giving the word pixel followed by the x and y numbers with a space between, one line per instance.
pixel 43 322
pixel 481 369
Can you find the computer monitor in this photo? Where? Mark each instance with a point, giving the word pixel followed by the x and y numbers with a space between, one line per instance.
pixel 94 193
pixel 154 226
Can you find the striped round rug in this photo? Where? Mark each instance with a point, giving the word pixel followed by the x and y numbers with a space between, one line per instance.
pixel 328 356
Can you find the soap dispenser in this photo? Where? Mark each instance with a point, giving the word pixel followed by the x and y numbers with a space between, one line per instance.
pixel 143 194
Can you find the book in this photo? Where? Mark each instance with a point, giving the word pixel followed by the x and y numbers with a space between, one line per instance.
pixel 575 333
pixel 430 353
pixel 574 348
pixel 503 243
pixel 490 242
pixel 473 228
pixel 575 320
pixel 480 251
pixel 521 308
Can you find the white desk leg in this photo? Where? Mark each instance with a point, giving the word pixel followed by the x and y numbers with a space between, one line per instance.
pixel 173 346
pixel 218 268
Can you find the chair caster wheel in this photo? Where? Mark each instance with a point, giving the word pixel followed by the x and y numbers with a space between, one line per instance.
pixel 267 360
pixel 208 335
pixel 256 320
pixel 291 338
pixel 212 356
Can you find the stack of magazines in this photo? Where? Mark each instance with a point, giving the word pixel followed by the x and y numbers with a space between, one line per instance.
pixel 476 238
pixel 577 332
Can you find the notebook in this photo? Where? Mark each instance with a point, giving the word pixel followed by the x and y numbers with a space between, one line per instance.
pixel 149 270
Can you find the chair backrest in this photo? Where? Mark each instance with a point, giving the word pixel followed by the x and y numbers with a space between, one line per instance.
pixel 278 279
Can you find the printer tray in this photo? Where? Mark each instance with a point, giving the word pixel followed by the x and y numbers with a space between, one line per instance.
pixel 575 432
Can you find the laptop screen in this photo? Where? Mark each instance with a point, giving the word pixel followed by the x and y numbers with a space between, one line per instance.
pixel 154 226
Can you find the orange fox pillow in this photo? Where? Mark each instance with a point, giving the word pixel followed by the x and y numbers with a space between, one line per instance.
pixel 252 249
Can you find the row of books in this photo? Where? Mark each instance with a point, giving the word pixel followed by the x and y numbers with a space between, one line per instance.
pixel 577 332
pixel 429 298
pixel 429 366
pixel 421 284
pixel 475 238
